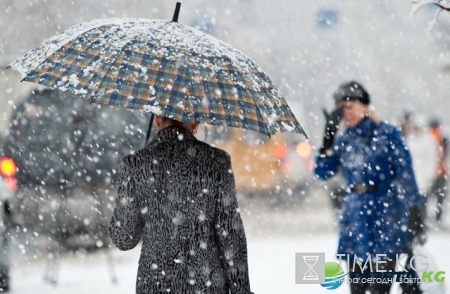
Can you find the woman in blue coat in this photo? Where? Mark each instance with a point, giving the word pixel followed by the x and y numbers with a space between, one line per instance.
pixel 383 211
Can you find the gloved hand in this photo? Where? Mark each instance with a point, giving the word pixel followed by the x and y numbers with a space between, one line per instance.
pixel 332 122
pixel 417 230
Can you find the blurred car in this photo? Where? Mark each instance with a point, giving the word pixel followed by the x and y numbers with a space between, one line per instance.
pixel 5 224
pixel 4 237
pixel 279 167
pixel 62 154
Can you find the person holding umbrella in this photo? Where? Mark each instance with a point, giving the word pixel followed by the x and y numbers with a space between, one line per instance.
pixel 373 159
pixel 177 195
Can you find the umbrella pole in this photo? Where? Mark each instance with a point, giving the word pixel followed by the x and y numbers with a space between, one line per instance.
pixel 177 11
pixel 150 124
pixel 174 19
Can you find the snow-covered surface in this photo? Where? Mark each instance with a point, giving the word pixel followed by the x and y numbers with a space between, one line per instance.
pixel 418 4
pixel 271 265
pixel 442 4
pixel 274 235
pixel 167 33
pixel 110 58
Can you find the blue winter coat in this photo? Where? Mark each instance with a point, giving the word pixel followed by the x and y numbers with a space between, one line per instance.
pixel 377 222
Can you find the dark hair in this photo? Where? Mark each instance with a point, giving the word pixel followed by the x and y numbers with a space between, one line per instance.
pixel 351 91
pixel 434 123
pixel 173 122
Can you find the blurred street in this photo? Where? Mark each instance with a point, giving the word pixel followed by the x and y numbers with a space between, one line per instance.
pixel 306 47
pixel 274 233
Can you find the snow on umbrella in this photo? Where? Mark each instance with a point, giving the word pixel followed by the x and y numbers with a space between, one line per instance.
pixel 162 67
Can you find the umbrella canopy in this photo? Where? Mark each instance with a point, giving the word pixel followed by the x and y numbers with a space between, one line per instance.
pixel 162 67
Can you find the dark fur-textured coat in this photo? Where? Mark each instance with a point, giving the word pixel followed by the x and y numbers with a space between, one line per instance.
pixel 178 195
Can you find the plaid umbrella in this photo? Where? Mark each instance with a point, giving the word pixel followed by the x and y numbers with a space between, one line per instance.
pixel 162 67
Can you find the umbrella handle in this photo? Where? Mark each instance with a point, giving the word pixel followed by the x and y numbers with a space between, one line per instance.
pixel 177 11
pixel 150 124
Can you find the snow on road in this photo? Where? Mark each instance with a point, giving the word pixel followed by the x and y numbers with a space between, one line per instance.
pixel 274 236
pixel 271 262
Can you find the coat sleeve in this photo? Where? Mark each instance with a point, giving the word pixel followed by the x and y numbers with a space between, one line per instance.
pixel 126 225
pixel 230 235
pixel 327 167
pixel 403 169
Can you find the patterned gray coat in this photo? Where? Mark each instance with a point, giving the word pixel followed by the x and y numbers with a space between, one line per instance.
pixel 178 195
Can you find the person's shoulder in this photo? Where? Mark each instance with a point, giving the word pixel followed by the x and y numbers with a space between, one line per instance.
pixel 388 129
pixel 128 160
pixel 222 159
pixel 214 151
pixel 151 149
pixel 141 155
pixel 222 154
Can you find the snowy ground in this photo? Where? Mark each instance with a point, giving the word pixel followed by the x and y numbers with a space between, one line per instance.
pixel 274 234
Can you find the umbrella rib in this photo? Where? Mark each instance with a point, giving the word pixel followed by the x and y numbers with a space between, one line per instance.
pixel 269 133
pixel 109 69
pixel 75 36
pixel 131 38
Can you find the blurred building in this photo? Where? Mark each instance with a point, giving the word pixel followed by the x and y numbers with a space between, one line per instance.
pixel 307 48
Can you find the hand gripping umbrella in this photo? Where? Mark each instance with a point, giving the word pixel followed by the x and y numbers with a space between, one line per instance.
pixel 162 67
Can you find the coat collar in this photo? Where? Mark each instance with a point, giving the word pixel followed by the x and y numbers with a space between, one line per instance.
pixel 172 133
pixel 365 125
